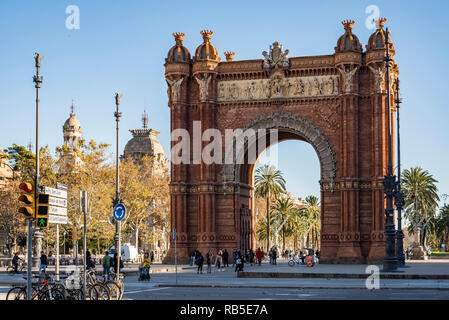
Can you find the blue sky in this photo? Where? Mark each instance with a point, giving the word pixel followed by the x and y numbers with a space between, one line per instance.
pixel 121 46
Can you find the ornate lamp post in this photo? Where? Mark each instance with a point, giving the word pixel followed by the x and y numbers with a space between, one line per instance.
pixel 390 260
pixel 399 197
pixel 117 199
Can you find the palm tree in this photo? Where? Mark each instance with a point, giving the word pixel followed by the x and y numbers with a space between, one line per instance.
pixel 268 183
pixel 420 200
pixel 282 213
pixel 311 214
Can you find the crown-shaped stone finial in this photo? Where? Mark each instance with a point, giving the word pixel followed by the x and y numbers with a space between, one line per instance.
pixel 380 22
pixel 207 35
pixel 179 37
pixel 348 24
pixel 229 55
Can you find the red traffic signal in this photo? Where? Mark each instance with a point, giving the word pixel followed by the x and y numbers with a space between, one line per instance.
pixel 27 197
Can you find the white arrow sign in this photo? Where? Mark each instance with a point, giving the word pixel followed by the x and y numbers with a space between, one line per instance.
pixel 57 202
pixel 58 219
pixel 54 192
pixel 52 210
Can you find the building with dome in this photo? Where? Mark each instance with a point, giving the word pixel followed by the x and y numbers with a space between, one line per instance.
pixel 145 143
pixel 72 134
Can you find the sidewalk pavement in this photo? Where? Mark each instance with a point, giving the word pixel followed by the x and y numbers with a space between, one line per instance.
pixel 325 277
pixel 429 269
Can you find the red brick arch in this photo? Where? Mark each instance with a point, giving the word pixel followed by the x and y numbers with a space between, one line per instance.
pixel 335 102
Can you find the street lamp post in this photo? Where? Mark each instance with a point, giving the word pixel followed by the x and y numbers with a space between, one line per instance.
pixel 117 199
pixel 399 197
pixel 390 260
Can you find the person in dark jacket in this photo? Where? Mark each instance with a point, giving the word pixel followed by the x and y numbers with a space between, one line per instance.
pixel 209 262
pixel 199 262
pixel 225 258
pixel 44 263
pixel 239 264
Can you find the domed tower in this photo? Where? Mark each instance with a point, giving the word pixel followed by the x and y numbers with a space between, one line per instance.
pixel 348 57
pixel 375 53
pixel 145 143
pixel 205 63
pixel 177 69
pixel 72 135
pixel 348 41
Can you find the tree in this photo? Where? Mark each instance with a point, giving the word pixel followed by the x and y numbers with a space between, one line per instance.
pixel 11 221
pixel 420 200
pixel 22 161
pixel 145 194
pixel 268 183
pixel 312 222
pixel 283 215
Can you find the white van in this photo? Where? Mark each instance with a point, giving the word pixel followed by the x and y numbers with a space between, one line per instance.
pixel 129 253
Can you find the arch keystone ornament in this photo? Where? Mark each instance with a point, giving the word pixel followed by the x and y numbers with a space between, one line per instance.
pixel 337 103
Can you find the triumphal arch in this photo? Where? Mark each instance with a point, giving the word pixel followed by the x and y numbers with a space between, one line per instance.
pixel 335 102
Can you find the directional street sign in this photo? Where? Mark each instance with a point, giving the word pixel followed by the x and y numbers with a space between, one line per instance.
pixel 54 192
pixel 57 202
pixel 119 212
pixel 58 219
pixel 52 210
pixel 57 205
pixel 61 186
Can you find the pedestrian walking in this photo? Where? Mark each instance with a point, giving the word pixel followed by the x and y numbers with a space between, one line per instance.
pixel 43 263
pixel 274 255
pixel 219 261
pixel 192 257
pixel 199 262
pixel 259 255
pixel 152 255
pixel 251 256
pixel 225 258
pixel 107 265
pixel 208 262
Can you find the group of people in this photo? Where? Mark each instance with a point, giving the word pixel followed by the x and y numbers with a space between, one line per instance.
pixel 221 260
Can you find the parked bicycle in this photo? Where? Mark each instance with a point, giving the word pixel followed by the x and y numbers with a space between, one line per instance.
pixel 42 290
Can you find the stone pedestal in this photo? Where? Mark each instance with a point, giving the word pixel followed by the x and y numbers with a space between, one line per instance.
pixel 37 248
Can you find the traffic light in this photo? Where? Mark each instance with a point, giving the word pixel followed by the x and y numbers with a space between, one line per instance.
pixel 70 236
pixel 42 210
pixel 27 197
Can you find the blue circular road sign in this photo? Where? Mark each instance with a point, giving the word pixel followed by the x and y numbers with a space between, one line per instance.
pixel 119 212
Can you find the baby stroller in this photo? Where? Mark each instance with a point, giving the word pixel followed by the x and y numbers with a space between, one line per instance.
pixel 144 274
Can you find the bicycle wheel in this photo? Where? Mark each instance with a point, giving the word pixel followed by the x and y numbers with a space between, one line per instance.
pixel 103 291
pixel 16 293
pixel 114 290
pixel 291 263
pixel 57 294
pixel 92 293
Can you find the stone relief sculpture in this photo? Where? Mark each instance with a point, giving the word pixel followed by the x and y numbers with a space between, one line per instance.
pixel 277 87
pixel 175 86
pixel 204 85
pixel 276 57
pixel 379 74
pixel 347 78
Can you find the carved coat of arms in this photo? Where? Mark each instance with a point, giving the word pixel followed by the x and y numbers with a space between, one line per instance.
pixel 277 57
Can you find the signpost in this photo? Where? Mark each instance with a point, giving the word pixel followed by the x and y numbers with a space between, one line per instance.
pixel 57 213
pixel 83 208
